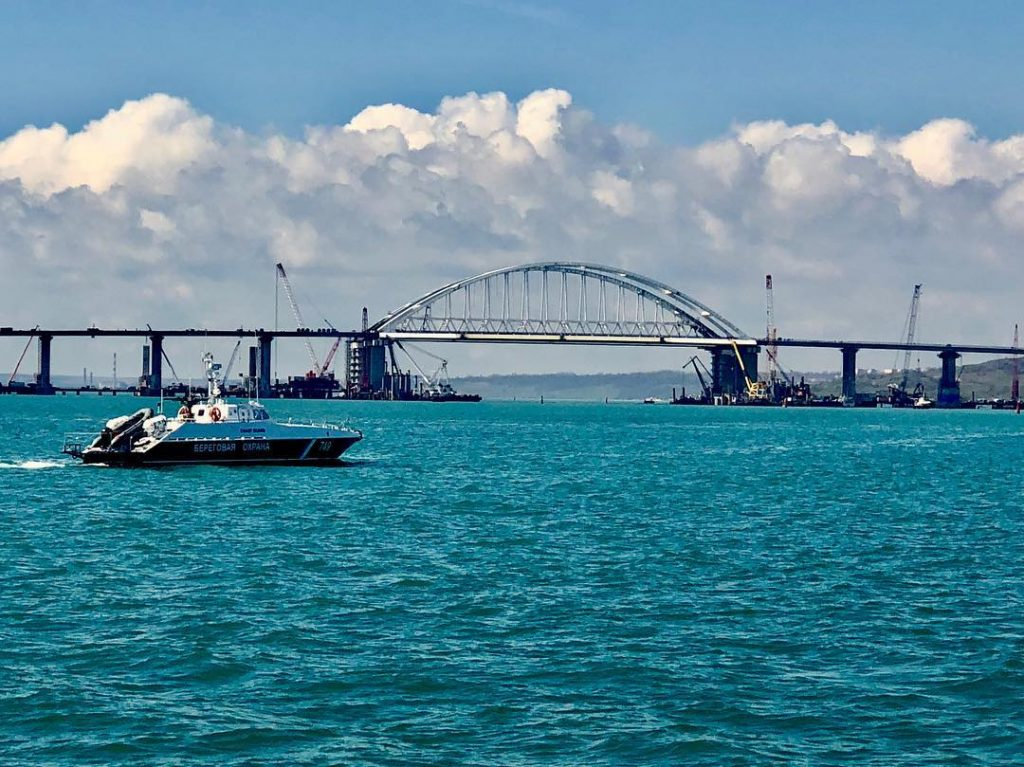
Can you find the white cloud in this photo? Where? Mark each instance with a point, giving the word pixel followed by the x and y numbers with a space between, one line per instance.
pixel 538 119
pixel 416 128
pixel 156 213
pixel 615 192
pixel 155 137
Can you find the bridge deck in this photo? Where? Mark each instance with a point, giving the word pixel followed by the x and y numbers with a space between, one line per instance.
pixel 516 338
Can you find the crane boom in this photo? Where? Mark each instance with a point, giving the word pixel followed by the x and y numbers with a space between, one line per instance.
pixel 424 376
pixel 771 332
pixel 911 330
pixel 697 364
pixel 755 389
pixel 332 351
pixel 283 276
pixel 231 361
pixel 330 355
pixel 21 359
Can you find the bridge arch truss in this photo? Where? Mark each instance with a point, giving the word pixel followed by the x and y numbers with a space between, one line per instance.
pixel 551 302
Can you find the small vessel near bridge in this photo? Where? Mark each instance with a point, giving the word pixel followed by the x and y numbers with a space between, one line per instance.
pixel 211 431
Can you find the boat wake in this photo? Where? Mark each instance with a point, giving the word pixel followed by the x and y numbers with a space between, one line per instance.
pixel 30 465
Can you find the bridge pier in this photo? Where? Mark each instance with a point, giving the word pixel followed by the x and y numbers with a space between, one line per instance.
pixel 722 371
pixel 155 379
pixel 266 342
pixel 43 383
pixel 849 374
pixel 949 387
pixel 727 374
pixel 367 366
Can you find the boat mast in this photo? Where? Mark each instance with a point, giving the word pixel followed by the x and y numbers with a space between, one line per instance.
pixel 212 377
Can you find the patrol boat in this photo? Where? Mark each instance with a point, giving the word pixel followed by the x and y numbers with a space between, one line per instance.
pixel 211 431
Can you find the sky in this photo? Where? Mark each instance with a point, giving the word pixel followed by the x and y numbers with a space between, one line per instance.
pixel 156 159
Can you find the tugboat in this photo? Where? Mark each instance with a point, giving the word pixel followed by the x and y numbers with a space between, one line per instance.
pixel 211 431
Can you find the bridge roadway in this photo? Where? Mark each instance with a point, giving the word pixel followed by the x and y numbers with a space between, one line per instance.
pixel 948 353
pixel 524 338
pixel 805 343
pixel 189 333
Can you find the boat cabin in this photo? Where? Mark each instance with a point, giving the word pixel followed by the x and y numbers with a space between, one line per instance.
pixel 224 412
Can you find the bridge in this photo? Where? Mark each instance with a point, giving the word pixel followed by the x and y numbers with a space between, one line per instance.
pixel 539 303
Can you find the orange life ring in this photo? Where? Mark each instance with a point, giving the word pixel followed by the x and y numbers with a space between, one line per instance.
pixel 215 413
pixel 183 413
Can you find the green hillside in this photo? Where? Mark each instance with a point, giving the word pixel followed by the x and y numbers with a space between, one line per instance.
pixel 985 380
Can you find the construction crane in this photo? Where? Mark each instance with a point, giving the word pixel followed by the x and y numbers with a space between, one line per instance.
pixel 283 277
pixel 231 362
pixel 756 390
pixel 332 351
pixel 170 364
pixel 21 359
pixel 908 338
pixel 697 364
pixel 771 333
pixel 1015 383
pixel 436 384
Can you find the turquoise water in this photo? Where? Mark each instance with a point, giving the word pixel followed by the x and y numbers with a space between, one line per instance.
pixel 521 584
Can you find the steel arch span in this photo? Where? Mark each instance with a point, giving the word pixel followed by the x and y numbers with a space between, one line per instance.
pixel 558 302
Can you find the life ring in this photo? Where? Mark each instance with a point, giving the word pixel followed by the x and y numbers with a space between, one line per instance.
pixel 183 413
pixel 214 413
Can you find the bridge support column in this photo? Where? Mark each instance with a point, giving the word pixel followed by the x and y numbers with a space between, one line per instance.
pixel 716 372
pixel 376 365
pixel 367 367
pixel 266 342
pixel 43 383
pixel 155 380
pixel 726 378
pixel 949 387
pixel 849 374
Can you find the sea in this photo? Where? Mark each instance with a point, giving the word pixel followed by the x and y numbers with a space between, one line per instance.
pixel 517 583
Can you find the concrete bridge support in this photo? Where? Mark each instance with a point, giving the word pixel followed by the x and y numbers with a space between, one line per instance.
pixel 43 383
pixel 367 366
pixel 723 372
pixel 155 379
pixel 949 387
pixel 266 342
pixel 726 374
pixel 850 374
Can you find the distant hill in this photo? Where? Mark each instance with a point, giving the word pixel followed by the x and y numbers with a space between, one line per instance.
pixel 985 380
pixel 597 386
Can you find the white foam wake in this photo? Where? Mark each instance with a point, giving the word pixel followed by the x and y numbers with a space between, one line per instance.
pixel 31 465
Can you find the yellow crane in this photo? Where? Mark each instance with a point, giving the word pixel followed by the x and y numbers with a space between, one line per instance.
pixel 756 390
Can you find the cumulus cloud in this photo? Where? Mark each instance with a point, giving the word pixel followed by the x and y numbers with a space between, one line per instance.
pixel 156 138
pixel 157 213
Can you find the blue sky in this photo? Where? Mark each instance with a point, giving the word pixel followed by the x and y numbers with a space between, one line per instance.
pixel 801 139
pixel 684 70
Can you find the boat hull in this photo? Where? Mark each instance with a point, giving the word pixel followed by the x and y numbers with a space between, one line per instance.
pixel 235 452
